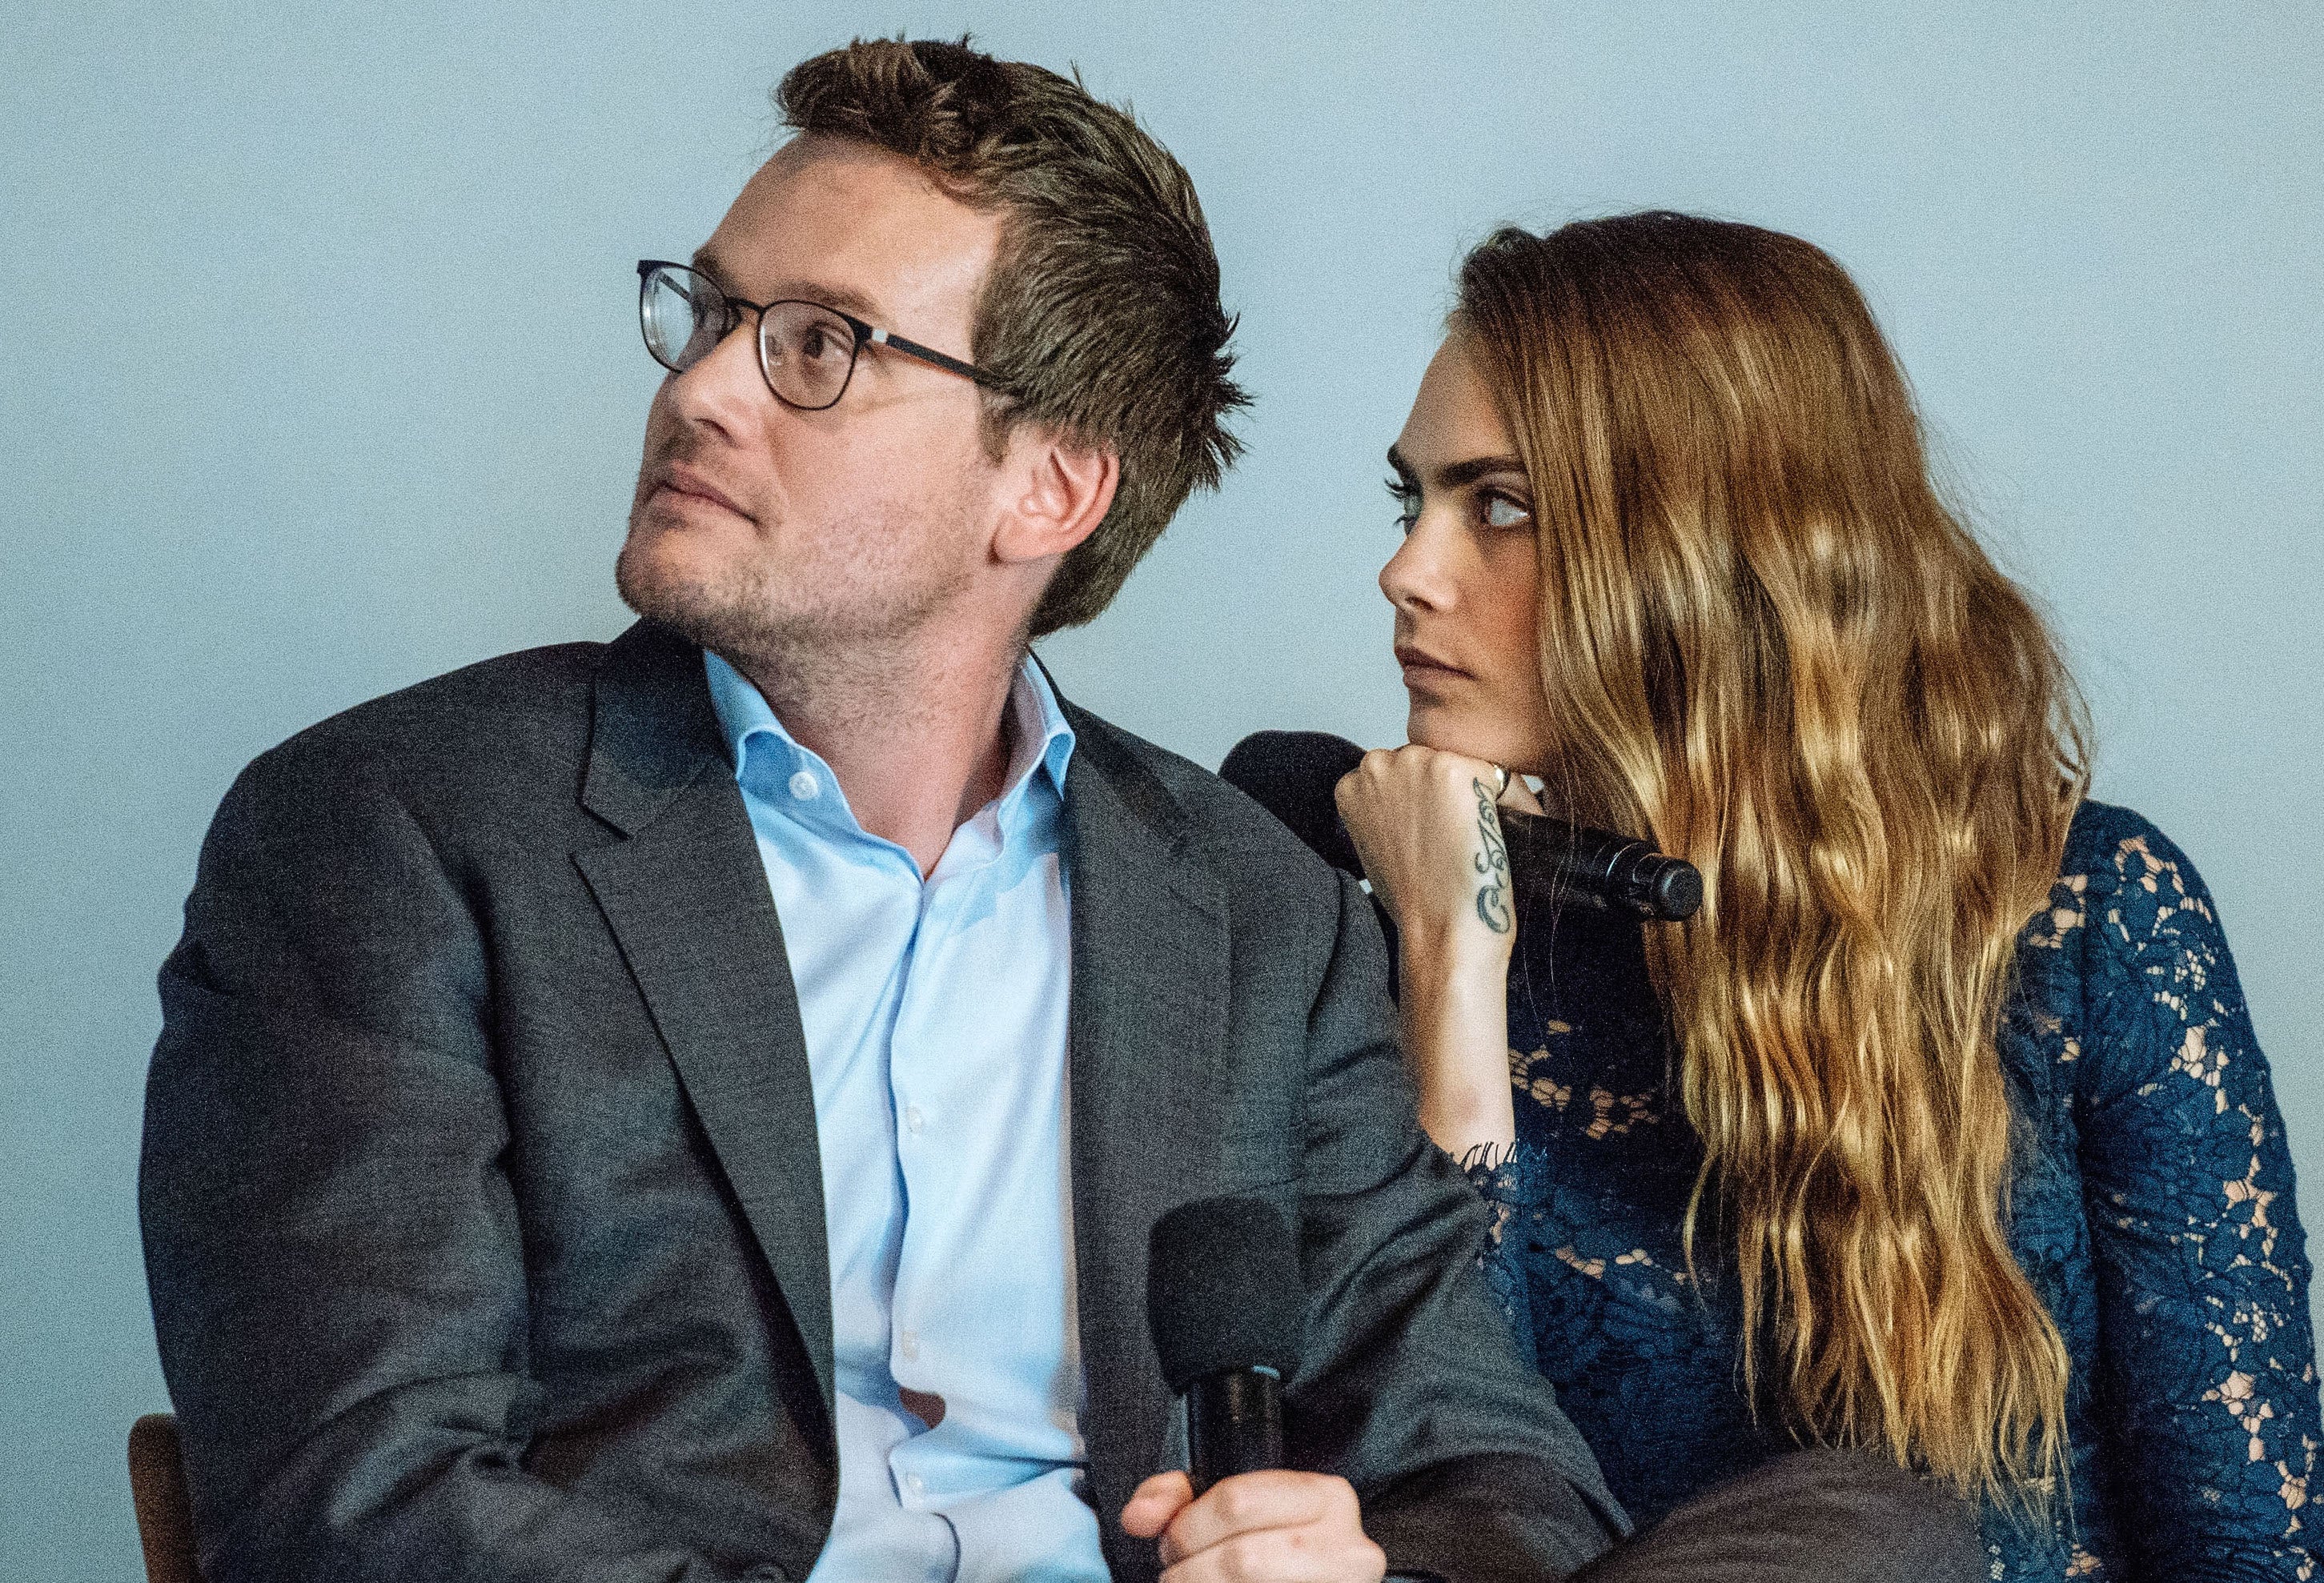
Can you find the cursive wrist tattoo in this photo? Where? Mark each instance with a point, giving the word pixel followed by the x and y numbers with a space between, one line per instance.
pixel 1493 863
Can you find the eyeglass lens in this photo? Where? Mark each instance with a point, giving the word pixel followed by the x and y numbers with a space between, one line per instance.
pixel 685 317
pixel 807 351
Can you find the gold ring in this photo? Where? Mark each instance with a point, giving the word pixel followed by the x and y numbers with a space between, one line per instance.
pixel 1501 780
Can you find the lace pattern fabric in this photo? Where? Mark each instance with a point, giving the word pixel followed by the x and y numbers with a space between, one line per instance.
pixel 2152 1208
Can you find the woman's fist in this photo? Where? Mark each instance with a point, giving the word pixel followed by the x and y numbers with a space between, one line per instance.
pixel 1424 824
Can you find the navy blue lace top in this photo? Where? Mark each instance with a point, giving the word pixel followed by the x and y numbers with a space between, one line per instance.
pixel 2152 1208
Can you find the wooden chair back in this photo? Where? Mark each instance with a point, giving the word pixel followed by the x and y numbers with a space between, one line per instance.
pixel 157 1485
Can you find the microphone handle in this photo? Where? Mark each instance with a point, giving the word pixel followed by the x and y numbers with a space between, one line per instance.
pixel 1234 1424
pixel 1553 863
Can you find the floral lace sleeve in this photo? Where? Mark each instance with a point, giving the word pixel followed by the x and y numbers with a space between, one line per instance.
pixel 1506 1181
pixel 2208 1389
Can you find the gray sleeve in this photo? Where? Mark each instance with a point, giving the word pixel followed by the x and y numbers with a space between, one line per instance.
pixel 1412 1387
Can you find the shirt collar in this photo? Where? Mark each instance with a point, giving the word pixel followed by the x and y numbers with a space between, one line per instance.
pixel 1043 738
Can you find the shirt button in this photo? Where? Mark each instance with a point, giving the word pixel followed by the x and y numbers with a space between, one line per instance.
pixel 805 787
pixel 913 1119
pixel 916 1484
pixel 909 1343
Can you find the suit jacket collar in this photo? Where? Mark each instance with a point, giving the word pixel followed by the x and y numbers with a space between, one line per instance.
pixel 652 731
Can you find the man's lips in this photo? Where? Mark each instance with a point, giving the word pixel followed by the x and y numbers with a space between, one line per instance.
pixel 680 479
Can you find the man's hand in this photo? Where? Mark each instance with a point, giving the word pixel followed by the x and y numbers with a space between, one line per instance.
pixel 1273 1527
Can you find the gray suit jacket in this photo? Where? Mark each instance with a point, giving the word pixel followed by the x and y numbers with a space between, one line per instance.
pixel 482 1206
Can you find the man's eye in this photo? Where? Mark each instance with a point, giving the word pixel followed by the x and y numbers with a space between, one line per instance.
pixel 1501 512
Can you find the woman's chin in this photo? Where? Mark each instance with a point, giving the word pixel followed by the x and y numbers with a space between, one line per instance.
pixel 1454 731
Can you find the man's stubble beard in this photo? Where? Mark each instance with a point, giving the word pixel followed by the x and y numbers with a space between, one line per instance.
pixel 852 632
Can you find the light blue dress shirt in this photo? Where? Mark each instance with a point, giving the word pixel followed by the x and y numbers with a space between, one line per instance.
pixel 935 1014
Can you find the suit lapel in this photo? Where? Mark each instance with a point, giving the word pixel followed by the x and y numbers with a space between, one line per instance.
pixel 686 897
pixel 1148 1023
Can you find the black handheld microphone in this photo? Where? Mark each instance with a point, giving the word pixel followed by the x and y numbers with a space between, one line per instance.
pixel 1291 774
pixel 1228 1316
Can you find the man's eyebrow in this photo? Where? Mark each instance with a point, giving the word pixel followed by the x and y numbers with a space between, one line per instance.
pixel 843 297
pixel 1456 474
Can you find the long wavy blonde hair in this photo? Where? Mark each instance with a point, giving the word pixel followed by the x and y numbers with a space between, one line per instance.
pixel 1767 643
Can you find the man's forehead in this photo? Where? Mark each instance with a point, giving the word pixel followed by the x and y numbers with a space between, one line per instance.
pixel 855 228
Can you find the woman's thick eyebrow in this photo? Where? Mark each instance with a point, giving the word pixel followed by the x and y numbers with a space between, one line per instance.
pixel 1456 474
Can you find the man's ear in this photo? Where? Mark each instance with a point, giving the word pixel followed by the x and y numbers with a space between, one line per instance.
pixel 1060 491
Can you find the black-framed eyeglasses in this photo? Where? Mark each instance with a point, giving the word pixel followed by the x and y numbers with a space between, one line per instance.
pixel 807 351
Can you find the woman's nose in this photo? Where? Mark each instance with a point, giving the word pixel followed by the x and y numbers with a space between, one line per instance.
pixel 1415 578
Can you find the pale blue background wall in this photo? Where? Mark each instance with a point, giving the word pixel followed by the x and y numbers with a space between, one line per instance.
pixel 319 375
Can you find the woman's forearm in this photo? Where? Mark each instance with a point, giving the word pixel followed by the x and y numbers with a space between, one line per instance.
pixel 1453 1008
pixel 1423 823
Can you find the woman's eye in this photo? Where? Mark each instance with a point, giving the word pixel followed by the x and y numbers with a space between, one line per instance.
pixel 1407 504
pixel 1501 512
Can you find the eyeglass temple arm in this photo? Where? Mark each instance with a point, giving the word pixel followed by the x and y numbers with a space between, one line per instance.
pixel 880 337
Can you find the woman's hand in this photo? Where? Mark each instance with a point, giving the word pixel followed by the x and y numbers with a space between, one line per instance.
pixel 1425 823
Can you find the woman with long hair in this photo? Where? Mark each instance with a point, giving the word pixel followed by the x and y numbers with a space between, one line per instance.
pixel 1939 1131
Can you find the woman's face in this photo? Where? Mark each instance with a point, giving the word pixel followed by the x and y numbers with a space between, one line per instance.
pixel 1464 582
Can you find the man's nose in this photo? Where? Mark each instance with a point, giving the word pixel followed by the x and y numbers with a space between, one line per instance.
pixel 726 389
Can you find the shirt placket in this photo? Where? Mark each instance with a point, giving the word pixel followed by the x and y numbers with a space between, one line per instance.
pixel 925 1146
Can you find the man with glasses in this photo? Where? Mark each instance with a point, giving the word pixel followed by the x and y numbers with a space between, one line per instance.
pixel 694 1108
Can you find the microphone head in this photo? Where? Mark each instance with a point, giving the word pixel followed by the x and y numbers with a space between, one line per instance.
pixel 1291 774
pixel 1676 891
pixel 1222 1291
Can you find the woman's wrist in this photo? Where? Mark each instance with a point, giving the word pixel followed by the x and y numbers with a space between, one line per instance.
pixel 1456 954
pixel 1455 1027
pixel 1469 1123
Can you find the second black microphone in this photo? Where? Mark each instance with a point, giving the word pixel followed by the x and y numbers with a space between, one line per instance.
pixel 1228 1316
pixel 1292 774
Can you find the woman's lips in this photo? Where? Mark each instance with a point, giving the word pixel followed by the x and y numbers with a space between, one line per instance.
pixel 1426 667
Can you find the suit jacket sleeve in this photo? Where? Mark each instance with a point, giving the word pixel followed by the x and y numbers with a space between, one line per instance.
pixel 1412 1385
pixel 322 1181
